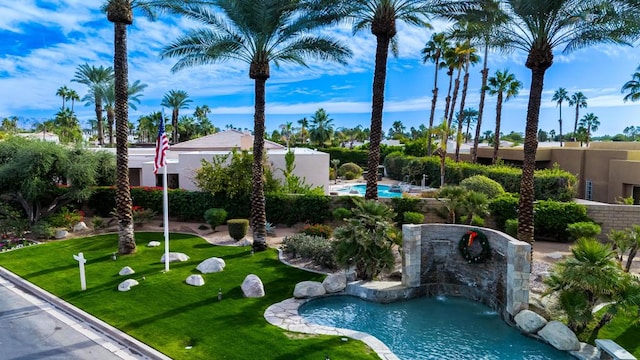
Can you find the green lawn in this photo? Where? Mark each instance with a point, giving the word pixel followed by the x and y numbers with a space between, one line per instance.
pixel 624 329
pixel 166 313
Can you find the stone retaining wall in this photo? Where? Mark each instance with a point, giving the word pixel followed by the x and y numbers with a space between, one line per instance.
pixel 431 262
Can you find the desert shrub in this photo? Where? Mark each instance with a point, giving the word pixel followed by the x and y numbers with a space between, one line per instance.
pixel 237 228
pixel 66 218
pixel 503 208
pixel 215 217
pixel 140 215
pixel 350 175
pixel 511 227
pixel 270 228
pixel 410 217
pixel 321 230
pixel 350 168
pixel 341 213
pixel 584 229
pixel 316 248
pixel 42 230
pixel 552 218
pixel 97 222
pixel 484 185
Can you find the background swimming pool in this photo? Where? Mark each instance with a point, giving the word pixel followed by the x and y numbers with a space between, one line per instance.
pixel 383 191
pixel 431 328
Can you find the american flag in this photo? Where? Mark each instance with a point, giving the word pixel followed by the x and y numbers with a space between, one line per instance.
pixel 162 145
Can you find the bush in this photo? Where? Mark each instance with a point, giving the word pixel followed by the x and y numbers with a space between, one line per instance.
pixel 410 217
pixel 316 248
pixel 321 230
pixel 584 229
pixel 553 217
pixel 483 184
pixel 350 175
pixel 511 227
pixel 238 228
pixel 66 218
pixel 503 208
pixel 215 217
pixel 42 230
pixel 350 168
pixel 97 222
pixel 339 214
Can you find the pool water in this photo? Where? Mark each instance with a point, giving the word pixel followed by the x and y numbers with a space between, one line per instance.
pixel 384 191
pixel 431 328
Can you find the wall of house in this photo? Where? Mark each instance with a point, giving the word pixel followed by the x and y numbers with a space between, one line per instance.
pixel 311 166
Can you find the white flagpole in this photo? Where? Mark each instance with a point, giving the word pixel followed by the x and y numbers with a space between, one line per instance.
pixel 165 220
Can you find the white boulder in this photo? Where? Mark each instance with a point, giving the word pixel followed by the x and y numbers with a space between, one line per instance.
pixel 244 242
pixel 127 284
pixel 211 265
pixel 80 226
pixel 529 321
pixel 335 283
pixel 252 286
pixel 61 234
pixel 195 280
pixel 559 336
pixel 306 289
pixel 175 257
pixel 153 244
pixel 126 271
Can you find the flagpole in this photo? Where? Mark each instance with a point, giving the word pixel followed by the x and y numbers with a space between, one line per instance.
pixel 165 220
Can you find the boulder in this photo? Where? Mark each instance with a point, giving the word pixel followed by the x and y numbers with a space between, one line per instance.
pixel 80 226
pixel 244 242
pixel 529 322
pixel 252 286
pixel 306 289
pixel 174 257
pixel 127 284
pixel 211 265
pixel 195 280
pixel 335 283
pixel 559 336
pixel 61 234
pixel 586 352
pixel 126 271
pixel 153 244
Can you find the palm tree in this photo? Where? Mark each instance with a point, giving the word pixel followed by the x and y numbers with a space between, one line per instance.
pixel 321 129
pixel 304 124
pixel 93 77
pixel 258 33
pixel 442 131
pixel 632 87
pixel 73 96
pixel 433 52
pixel 579 101
pixel 63 92
pixel 591 123
pixel 469 116
pixel 381 18
pixel 468 53
pixel 503 83
pixel 538 27
pixel 456 61
pixel 559 96
pixel 176 100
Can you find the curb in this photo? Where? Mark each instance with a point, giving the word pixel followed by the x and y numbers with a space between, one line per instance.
pixel 135 346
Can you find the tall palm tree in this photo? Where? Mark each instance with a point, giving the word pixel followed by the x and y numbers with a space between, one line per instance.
pixel 579 101
pixel 258 32
pixel 468 53
pixel 321 129
pixel 469 116
pixel 538 27
pixel 93 77
pixel 456 60
pixel 304 125
pixel 73 96
pixel 63 92
pixel 433 52
pixel 381 18
pixel 503 83
pixel 632 87
pixel 559 97
pixel 176 100
pixel 591 123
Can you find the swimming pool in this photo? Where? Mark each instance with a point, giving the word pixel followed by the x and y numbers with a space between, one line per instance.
pixel 384 191
pixel 431 328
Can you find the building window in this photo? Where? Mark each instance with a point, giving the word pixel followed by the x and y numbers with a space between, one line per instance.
pixel 172 181
pixel 589 190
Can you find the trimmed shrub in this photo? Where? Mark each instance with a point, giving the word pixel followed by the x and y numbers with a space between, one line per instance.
pixel 410 217
pixel 316 248
pixel 402 205
pixel 350 168
pixel 553 217
pixel 503 208
pixel 483 184
pixel 237 228
pixel 350 175
pixel 511 227
pixel 339 214
pixel 584 229
pixel 215 217
pixel 320 230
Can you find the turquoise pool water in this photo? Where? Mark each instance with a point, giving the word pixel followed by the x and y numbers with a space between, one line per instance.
pixel 431 328
pixel 384 191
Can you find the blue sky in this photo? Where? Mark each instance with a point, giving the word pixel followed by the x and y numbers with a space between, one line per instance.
pixel 43 42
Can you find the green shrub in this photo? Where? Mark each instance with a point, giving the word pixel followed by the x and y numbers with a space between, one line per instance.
pixel 42 230
pixel 350 175
pixel 215 217
pixel 584 229
pixel 483 184
pixel 350 168
pixel 237 228
pixel 552 218
pixel 503 208
pixel 402 205
pixel 316 248
pixel 66 218
pixel 410 217
pixel 321 230
pixel 97 222
pixel 511 227
pixel 341 213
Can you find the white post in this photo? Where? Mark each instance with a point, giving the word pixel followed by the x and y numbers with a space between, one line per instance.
pixel 81 260
pixel 165 219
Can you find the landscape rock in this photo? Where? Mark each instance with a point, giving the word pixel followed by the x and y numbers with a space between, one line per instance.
pixel 153 244
pixel 126 271
pixel 195 280
pixel 586 352
pixel 555 255
pixel 252 286
pixel 80 226
pixel 175 257
pixel 335 283
pixel 306 289
pixel 127 284
pixel 244 242
pixel 530 322
pixel 559 336
pixel 61 234
pixel 211 265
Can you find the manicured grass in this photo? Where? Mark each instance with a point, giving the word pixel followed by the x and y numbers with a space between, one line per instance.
pixel 166 313
pixel 624 329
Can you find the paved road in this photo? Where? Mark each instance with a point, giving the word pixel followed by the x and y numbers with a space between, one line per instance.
pixel 31 329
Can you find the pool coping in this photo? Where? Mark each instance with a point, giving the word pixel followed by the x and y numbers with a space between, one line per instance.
pixel 285 315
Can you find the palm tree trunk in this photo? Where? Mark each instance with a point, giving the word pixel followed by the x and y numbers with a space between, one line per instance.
pixel 258 210
pixel 126 238
pixel 379 77
pixel 463 97
pixel 575 123
pixel 456 87
pixel 448 98
pixel 632 254
pixel 560 123
pixel 483 91
pixel 434 100
pixel 99 119
pixel 174 123
pixel 496 136
pixel 110 120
